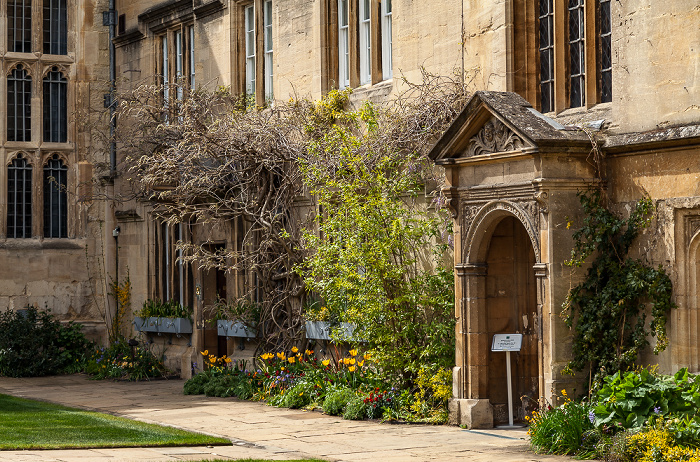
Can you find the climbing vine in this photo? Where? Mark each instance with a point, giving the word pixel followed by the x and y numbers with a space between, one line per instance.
pixel 608 310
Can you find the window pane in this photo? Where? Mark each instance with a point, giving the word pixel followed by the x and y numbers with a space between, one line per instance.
pixel 546 52
pixel 55 195
pixel 19 199
pixel 55 27
pixel 19 21
pixel 19 96
pixel 605 52
pixel 577 53
pixel 55 107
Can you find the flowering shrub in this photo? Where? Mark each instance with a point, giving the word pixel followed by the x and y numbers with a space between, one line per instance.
pixel 119 361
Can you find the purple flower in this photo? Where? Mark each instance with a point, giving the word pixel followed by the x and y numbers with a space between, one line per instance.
pixel 591 416
pixel 657 410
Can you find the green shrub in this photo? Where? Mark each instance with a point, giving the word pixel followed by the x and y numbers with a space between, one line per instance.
pixel 221 386
pixel 560 430
pixel 630 398
pixel 195 385
pixel 356 409
pixel 34 343
pixel 120 361
pixel 298 396
pixel 337 400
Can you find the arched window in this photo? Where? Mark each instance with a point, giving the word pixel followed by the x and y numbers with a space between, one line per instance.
pixel 19 26
pixel 19 198
pixel 55 27
pixel 19 105
pixel 55 195
pixel 55 112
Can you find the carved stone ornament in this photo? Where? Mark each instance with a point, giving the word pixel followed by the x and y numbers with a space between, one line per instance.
pixel 494 137
pixel 474 219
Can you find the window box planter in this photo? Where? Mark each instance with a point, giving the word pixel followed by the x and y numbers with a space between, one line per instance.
pixel 163 325
pixel 321 330
pixel 234 329
pixel 174 325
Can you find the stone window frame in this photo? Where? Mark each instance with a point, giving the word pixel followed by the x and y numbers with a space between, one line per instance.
pixel 524 75
pixel 331 65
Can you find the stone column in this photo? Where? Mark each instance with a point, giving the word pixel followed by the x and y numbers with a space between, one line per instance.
pixel 541 279
pixel 470 375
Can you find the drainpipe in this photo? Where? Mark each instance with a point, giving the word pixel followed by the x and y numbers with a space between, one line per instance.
pixel 109 18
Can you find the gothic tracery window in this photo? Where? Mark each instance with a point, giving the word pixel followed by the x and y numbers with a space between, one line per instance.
pixel 55 197
pixel 19 198
pixel 19 26
pixel 19 105
pixel 55 107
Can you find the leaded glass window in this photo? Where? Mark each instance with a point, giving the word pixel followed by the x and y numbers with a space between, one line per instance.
pixel 546 49
pixel 55 27
pixel 577 54
pixel 19 26
pixel 605 52
pixel 19 105
pixel 55 111
pixel 55 207
pixel 267 40
pixel 19 198
pixel 343 44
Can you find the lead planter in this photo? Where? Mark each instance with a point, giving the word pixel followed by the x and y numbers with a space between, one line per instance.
pixel 234 329
pixel 321 330
pixel 163 325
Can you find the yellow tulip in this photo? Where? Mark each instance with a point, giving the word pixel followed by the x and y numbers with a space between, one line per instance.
pixel 367 356
pixel 205 353
pixel 360 363
pixel 295 349
pixel 292 359
pixel 309 352
pixel 228 360
pixel 326 362
pixel 353 352
pixel 351 368
pixel 212 360
pixel 352 361
pixel 281 356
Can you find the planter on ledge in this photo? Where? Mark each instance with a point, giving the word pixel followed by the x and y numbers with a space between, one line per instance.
pixel 163 325
pixel 321 330
pixel 234 329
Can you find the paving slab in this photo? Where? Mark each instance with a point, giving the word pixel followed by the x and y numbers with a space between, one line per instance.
pixel 257 430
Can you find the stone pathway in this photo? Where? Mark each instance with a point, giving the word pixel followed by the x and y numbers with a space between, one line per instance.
pixel 257 430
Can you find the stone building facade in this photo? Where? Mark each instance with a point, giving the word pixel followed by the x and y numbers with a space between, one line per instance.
pixel 53 74
pixel 548 76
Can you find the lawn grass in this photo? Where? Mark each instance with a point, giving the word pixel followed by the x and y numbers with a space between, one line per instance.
pixel 28 424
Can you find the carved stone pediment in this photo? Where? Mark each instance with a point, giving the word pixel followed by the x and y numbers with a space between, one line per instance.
pixel 494 136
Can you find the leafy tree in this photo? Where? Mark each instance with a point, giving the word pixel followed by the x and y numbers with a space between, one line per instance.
pixel 377 257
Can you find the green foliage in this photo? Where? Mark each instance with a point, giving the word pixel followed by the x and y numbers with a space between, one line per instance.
pixel 170 309
pixel 120 361
pixel 370 256
pixel 560 430
pixel 356 409
pixel 195 385
pixel 298 396
pixel 607 309
pixel 630 398
pixel 337 400
pixel 34 343
pixel 240 310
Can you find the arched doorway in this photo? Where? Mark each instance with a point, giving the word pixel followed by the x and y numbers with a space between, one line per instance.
pixel 511 307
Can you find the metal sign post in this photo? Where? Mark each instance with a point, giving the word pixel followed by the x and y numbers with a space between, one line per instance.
pixel 508 343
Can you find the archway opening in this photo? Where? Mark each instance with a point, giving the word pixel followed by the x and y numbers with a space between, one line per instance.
pixel 511 307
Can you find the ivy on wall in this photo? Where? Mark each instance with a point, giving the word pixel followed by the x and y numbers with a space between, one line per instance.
pixel 608 310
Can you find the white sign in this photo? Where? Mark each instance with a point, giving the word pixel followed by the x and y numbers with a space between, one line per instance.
pixel 507 342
